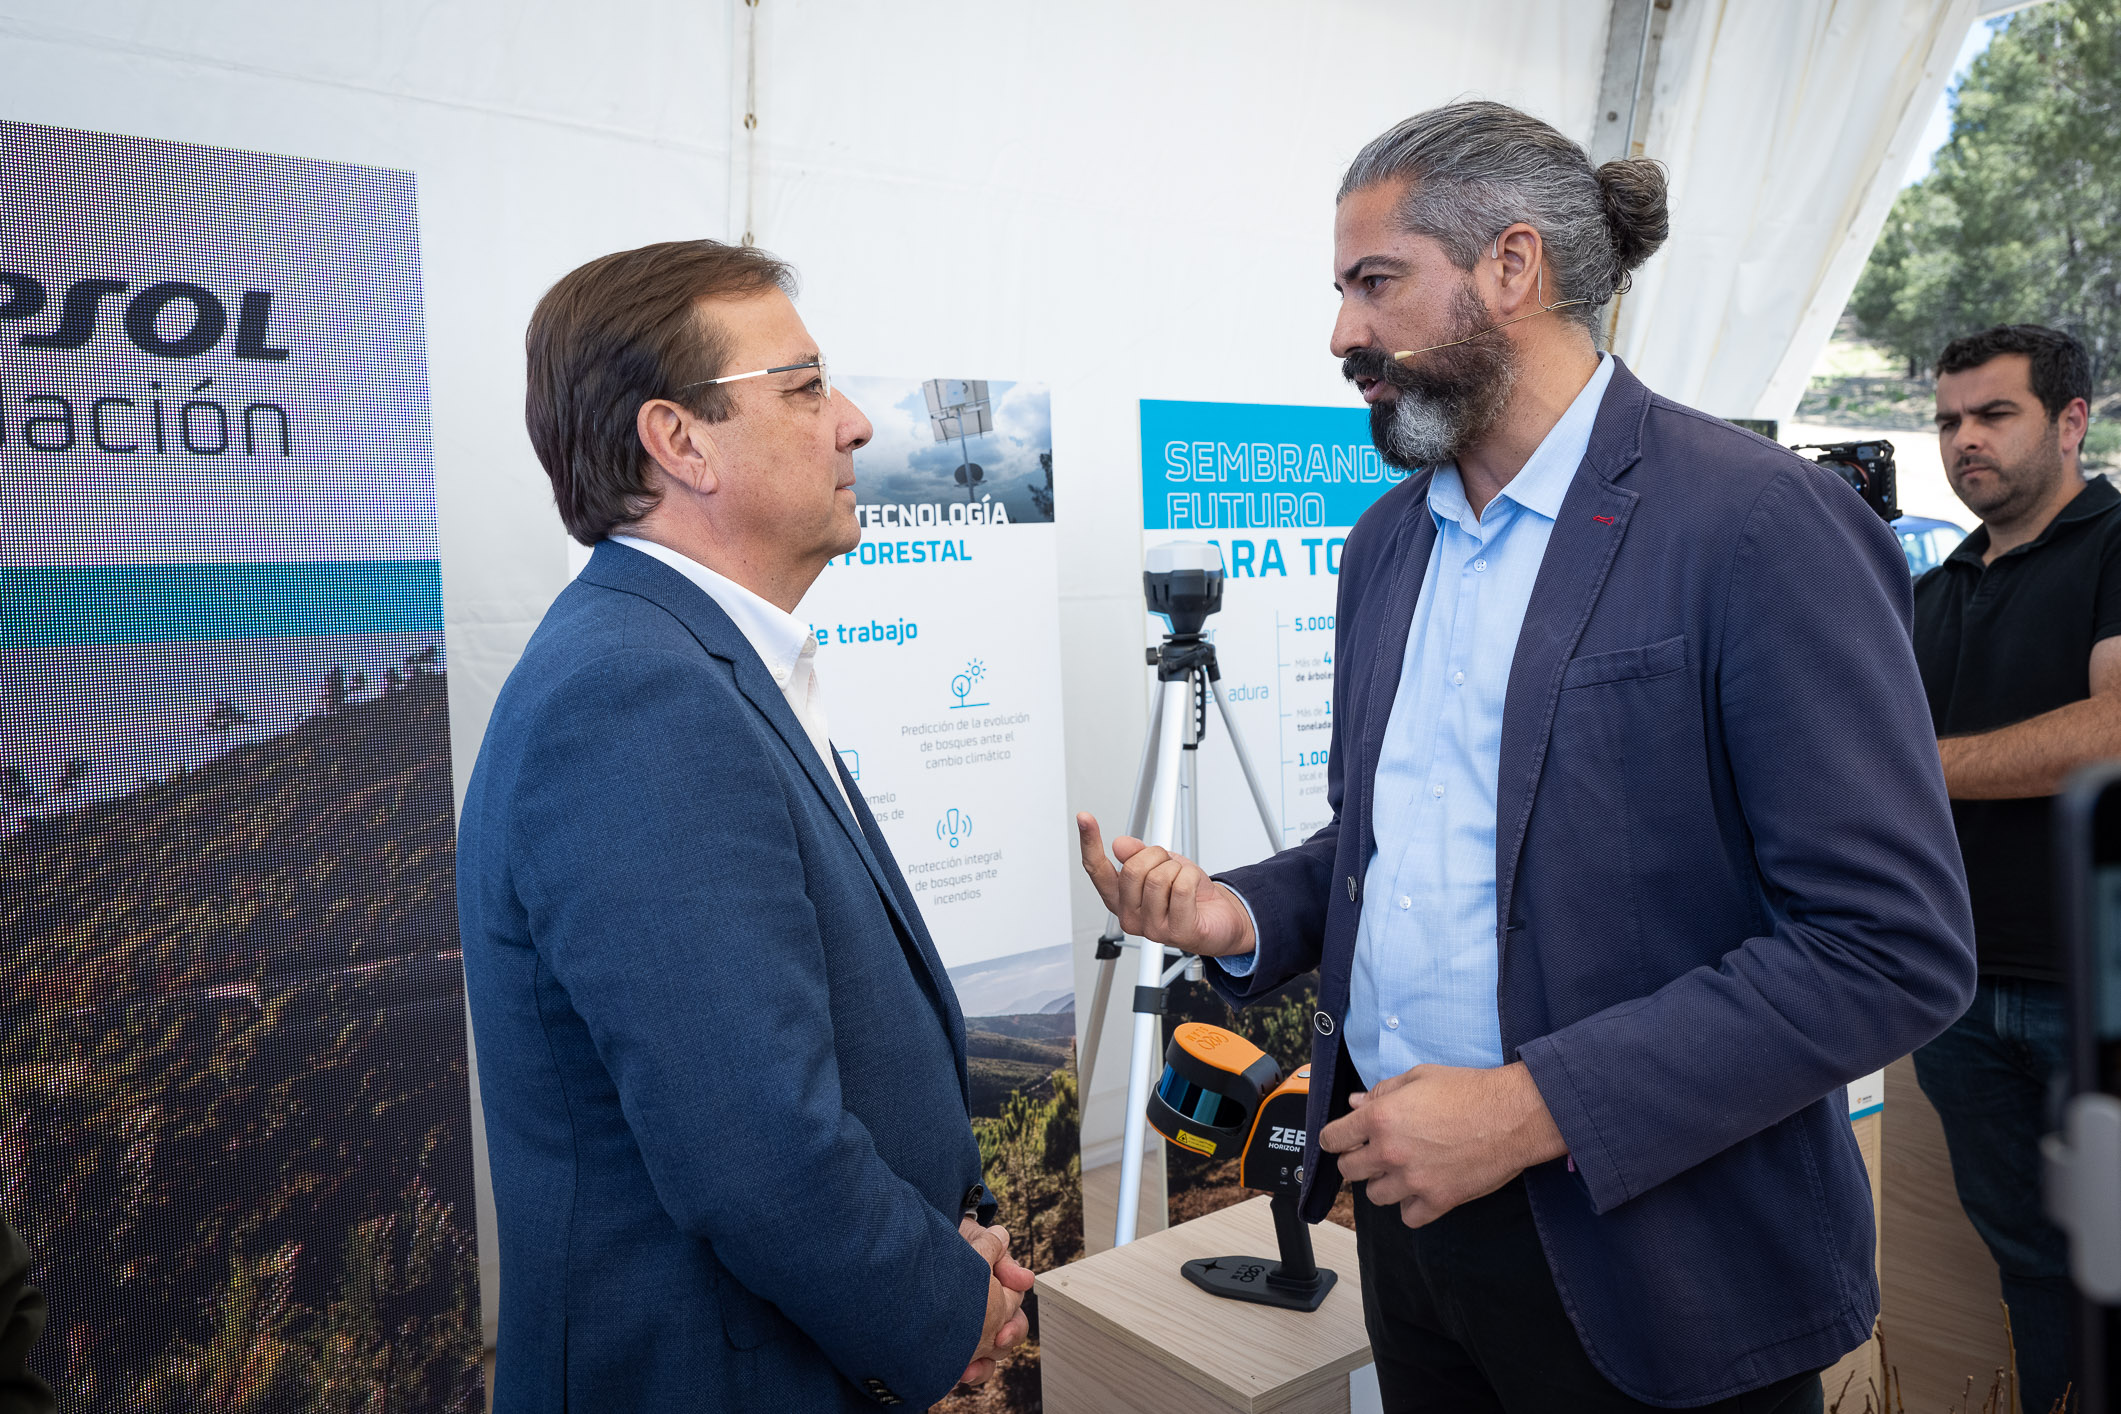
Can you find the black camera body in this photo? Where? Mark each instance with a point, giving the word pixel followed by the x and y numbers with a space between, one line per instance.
pixel 1867 466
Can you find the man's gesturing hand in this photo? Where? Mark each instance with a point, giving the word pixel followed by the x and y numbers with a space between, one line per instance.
pixel 1006 1325
pixel 1163 897
pixel 1442 1135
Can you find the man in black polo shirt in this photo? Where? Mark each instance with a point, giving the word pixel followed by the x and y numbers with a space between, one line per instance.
pixel 2018 635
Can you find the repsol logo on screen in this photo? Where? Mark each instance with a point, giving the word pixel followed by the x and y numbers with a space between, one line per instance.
pixel 170 319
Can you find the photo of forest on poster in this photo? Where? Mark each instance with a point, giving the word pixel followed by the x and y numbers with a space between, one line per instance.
pixel 233 1109
pixel 1025 1114
pixel 235 1127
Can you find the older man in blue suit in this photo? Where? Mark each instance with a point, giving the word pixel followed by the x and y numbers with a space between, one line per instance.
pixel 1640 848
pixel 722 1067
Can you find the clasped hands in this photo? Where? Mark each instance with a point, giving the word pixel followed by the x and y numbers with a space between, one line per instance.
pixel 1426 1140
pixel 1006 1324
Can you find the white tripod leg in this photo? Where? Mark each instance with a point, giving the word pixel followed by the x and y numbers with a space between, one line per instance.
pixel 1175 713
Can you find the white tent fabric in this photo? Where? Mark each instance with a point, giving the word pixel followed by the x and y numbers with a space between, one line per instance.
pixel 1121 200
pixel 1787 128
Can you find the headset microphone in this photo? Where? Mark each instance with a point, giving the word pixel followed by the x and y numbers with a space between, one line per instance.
pixel 1222 1095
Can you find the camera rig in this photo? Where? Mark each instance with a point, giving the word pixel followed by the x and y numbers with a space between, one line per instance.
pixel 1867 466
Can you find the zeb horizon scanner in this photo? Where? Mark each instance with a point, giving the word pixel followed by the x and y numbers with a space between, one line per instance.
pixel 1220 1095
pixel 1213 1084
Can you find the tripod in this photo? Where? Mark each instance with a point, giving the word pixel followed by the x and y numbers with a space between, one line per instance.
pixel 1166 812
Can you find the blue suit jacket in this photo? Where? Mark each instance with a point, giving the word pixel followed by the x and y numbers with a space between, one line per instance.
pixel 1727 884
pixel 722 1068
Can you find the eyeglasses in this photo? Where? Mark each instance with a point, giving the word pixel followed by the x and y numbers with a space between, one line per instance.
pixel 824 375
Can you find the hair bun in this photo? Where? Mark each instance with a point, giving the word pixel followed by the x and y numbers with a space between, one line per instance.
pixel 1634 191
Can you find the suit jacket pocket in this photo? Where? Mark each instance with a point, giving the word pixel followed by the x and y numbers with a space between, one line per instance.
pixel 1626 664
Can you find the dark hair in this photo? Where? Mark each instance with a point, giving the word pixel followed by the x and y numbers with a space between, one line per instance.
pixel 608 337
pixel 2062 371
pixel 1474 167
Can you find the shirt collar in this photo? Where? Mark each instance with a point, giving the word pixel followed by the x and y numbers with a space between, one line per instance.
pixel 1543 481
pixel 2097 498
pixel 778 637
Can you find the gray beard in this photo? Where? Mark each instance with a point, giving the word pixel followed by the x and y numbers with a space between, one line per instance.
pixel 1422 432
pixel 1426 431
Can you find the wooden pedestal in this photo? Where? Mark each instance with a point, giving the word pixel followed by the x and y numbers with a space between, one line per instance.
pixel 1123 1333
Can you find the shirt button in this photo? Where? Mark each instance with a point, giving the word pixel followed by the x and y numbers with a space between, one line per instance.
pixel 1406 901
pixel 1480 564
pixel 1436 791
pixel 1458 679
pixel 1391 1023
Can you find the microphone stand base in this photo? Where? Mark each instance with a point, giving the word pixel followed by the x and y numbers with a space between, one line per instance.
pixel 1258 1279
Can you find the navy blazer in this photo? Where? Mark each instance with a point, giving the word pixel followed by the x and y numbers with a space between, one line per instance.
pixel 1726 885
pixel 722 1068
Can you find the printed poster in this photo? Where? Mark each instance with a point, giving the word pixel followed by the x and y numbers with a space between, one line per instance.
pixel 234 1124
pixel 1277 488
pixel 939 651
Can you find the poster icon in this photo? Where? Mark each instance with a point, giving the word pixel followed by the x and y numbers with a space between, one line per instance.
pixel 954 826
pixel 962 685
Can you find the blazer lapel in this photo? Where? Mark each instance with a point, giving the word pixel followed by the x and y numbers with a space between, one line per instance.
pixel 1587 534
pixel 623 568
pixel 922 949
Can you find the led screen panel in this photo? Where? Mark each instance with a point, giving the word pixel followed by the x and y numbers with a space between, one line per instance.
pixel 233 1111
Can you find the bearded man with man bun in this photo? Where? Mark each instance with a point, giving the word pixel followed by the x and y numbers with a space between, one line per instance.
pixel 1640 849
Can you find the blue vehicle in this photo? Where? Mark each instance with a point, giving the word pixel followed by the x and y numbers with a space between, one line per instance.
pixel 1926 542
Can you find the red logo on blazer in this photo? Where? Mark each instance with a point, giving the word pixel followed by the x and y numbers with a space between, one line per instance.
pixel 1603 520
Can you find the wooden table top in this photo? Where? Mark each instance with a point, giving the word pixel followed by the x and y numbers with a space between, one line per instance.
pixel 1245 1354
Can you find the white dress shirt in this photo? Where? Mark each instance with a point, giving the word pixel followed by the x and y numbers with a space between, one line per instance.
pixel 782 641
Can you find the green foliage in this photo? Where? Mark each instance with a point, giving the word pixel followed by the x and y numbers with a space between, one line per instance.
pixel 233 1122
pixel 993 1045
pixel 2102 443
pixel 1031 1155
pixel 1003 1064
pixel 2020 218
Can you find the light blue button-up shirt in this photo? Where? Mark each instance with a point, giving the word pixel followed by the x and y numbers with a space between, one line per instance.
pixel 1423 986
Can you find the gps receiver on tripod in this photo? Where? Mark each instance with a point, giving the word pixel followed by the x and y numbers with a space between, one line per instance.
pixel 1182 581
pixel 1222 1095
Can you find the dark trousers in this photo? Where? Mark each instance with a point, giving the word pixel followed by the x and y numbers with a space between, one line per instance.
pixel 1464 1317
pixel 1989 1077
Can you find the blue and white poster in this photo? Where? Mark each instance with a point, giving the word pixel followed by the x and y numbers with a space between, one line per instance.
pixel 1277 488
pixel 939 652
pixel 234 1124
